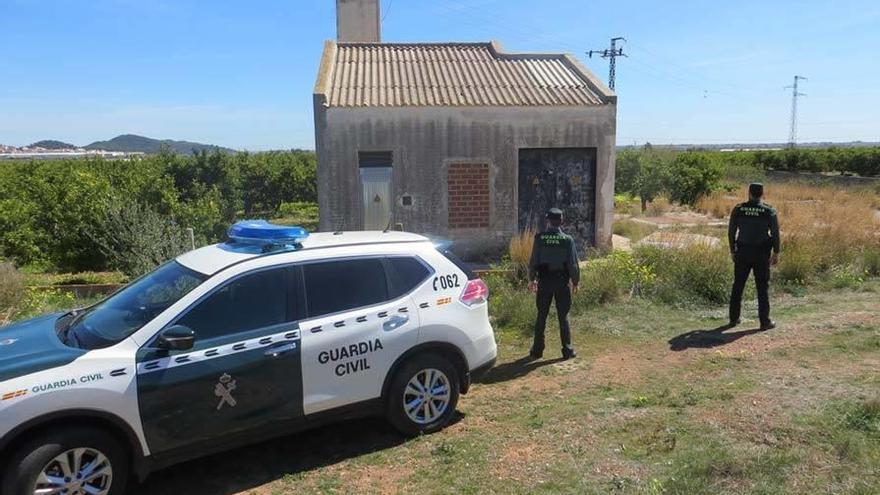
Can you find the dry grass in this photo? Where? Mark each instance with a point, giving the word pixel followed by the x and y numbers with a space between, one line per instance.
pixel 520 250
pixel 822 227
pixel 11 289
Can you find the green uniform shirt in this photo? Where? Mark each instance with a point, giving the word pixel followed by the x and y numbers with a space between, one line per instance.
pixel 753 223
pixel 554 252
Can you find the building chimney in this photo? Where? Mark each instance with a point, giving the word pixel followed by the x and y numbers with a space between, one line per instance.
pixel 357 21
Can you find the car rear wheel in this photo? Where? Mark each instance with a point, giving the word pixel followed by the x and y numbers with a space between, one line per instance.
pixel 423 395
pixel 83 461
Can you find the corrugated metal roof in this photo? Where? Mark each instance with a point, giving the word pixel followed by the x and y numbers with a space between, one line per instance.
pixel 452 74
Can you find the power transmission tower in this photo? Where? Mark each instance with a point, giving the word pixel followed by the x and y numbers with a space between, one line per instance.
pixel 792 134
pixel 611 54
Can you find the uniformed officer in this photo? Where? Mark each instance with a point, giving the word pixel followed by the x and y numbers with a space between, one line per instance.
pixel 753 233
pixel 554 263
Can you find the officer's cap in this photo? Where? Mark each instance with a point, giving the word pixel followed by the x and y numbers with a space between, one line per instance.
pixel 756 189
pixel 553 214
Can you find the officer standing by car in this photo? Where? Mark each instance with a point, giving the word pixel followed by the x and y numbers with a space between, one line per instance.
pixel 553 264
pixel 753 234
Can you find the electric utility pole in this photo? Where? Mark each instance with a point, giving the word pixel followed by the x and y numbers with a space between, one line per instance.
pixel 612 55
pixel 792 134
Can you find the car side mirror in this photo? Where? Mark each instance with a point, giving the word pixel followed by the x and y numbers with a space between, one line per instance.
pixel 176 338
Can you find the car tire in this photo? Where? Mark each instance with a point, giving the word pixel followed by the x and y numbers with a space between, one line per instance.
pixel 42 453
pixel 414 408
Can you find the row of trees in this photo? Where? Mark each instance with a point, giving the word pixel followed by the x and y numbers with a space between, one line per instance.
pixel 685 176
pixel 69 214
pixel 860 161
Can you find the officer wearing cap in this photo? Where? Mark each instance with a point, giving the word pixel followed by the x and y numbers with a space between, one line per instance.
pixel 554 263
pixel 753 233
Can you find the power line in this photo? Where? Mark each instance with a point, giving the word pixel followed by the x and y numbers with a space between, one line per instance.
pixel 611 54
pixel 386 10
pixel 792 134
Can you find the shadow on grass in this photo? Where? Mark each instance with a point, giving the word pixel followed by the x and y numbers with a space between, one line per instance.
pixel 248 468
pixel 706 339
pixel 515 369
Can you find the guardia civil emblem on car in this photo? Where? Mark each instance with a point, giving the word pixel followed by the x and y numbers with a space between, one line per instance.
pixel 275 327
pixel 224 389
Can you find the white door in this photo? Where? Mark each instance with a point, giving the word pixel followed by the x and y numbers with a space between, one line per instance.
pixel 354 332
pixel 376 189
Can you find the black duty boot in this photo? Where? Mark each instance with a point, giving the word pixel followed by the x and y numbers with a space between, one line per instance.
pixel 734 323
pixel 568 353
pixel 768 325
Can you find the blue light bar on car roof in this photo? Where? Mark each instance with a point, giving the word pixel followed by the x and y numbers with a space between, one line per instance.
pixel 263 233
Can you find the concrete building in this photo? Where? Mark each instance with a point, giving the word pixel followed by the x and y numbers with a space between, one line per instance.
pixel 459 140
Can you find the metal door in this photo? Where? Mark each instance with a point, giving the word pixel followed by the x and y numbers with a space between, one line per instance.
pixel 376 188
pixel 563 178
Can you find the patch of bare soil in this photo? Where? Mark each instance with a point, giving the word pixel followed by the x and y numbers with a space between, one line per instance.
pixel 679 219
pixel 520 461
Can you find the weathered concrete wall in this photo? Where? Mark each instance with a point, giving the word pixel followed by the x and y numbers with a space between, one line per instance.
pixel 425 141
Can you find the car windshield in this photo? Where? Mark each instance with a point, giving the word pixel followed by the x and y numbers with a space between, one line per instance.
pixel 126 311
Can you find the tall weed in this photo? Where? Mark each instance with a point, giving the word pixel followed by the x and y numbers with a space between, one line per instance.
pixel 520 251
pixel 698 274
pixel 11 290
pixel 822 227
pixel 611 278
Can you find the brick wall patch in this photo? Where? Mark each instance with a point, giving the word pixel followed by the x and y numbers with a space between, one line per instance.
pixel 468 186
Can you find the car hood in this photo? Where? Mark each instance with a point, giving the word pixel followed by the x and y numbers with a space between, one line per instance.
pixel 32 345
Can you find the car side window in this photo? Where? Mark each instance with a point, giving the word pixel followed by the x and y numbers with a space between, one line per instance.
pixel 254 301
pixel 405 273
pixel 334 286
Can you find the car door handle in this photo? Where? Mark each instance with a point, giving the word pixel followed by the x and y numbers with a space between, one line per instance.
pixel 394 322
pixel 280 348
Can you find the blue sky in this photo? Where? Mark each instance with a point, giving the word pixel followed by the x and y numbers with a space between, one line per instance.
pixel 240 73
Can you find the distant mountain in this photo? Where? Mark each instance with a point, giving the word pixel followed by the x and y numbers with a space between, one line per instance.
pixel 51 144
pixel 141 144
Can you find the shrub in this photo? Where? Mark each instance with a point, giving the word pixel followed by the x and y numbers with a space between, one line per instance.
pixel 797 264
pixel 697 274
pixel 136 239
pixel 601 283
pixel 510 303
pixel 11 289
pixel 36 302
pixel 846 277
pixel 610 278
pixel 869 261
pixel 692 176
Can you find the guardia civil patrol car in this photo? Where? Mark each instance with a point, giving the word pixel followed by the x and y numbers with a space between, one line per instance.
pixel 269 333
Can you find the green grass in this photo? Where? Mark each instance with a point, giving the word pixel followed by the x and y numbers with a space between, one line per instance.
pixel 632 230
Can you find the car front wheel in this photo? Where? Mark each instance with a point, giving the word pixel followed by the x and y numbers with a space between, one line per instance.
pixel 423 395
pixel 83 461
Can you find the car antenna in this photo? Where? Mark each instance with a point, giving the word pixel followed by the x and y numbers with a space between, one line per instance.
pixel 388 227
pixel 338 231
